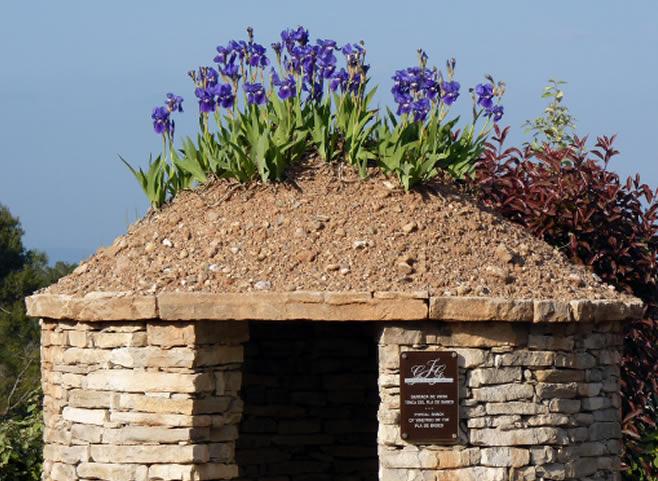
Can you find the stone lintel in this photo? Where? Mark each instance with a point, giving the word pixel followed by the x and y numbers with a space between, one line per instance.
pixel 95 306
pixel 526 310
pixel 275 306
pixel 323 306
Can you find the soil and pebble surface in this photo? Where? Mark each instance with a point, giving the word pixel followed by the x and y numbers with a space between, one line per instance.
pixel 328 230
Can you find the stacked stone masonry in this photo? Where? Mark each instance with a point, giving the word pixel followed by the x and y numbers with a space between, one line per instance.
pixel 164 400
pixel 136 401
pixel 538 402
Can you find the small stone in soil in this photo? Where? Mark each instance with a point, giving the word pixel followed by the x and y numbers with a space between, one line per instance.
pixel 263 285
pixel 405 268
pixel 332 267
pixel 359 244
pixel 504 253
pixel 167 243
pixel 306 256
pixel 409 227
pixel 576 280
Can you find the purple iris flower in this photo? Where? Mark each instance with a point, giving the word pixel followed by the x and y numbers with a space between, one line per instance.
pixel 255 93
pixel 420 109
pixel 210 75
pixel 174 103
pixel 224 94
pixel 257 57
pixel 405 104
pixel 231 71
pixel 339 80
pixel 485 94
pixel 449 92
pixel 161 121
pixel 206 99
pixel 431 87
pixel 301 35
pixel 351 48
pixel 496 112
pixel 291 36
pixel 287 88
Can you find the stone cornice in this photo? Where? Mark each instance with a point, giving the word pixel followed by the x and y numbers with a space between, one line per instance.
pixel 323 306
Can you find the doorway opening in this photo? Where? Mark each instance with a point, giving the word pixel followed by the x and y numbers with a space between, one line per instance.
pixel 310 402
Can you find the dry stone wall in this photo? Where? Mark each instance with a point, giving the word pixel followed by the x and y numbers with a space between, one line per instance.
pixel 538 402
pixel 137 401
pixel 173 395
pixel 310 403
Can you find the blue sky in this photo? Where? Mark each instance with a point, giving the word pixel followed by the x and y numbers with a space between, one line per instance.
pixel 79 79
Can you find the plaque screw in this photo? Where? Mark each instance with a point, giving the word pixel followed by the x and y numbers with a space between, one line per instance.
pixel 454 354
pixel 405 435
pixel 404 355
pixel 454 435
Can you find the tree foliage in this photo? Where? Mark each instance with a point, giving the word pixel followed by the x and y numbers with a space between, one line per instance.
pixel 22 271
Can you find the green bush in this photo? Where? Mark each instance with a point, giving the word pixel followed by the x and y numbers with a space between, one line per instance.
pixel 21 444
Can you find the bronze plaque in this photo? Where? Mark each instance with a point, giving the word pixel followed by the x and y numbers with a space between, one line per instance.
pixel 429 396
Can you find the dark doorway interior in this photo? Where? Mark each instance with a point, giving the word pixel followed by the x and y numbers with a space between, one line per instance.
pixel 310 394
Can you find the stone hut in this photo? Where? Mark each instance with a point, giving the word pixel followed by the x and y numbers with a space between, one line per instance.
pixel 330 330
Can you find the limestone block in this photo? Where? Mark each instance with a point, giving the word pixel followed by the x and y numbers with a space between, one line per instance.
pixel 559 375
pixel 62 472
pixel 526 358
pixel 150 454
pixel 170 334
pixel 153 356
pixel 480 309
pixel 580 360
pixel 156 404
pixel 109 340
pixel 475 473
pixel 86 433
pixel 150 419
pixel 604 310
pixel 109 472
pixel 568 406
pixel 507 392
pixel 65 454
pixel 550 342
pixel 401 335
pixel 318 306
pixel 505 457
pixel 76 355
pixel 552 419
pixel 551 311
pixel 486 376
pixel 84 398
pixel 133 434
pixel 85 416
pixel 95 306
pixel 515 407
pixel 123 380
pixel 215 471
pixel 518 437
pixel 547 390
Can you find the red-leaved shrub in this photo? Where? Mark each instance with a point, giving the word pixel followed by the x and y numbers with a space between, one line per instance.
pixel 569 198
